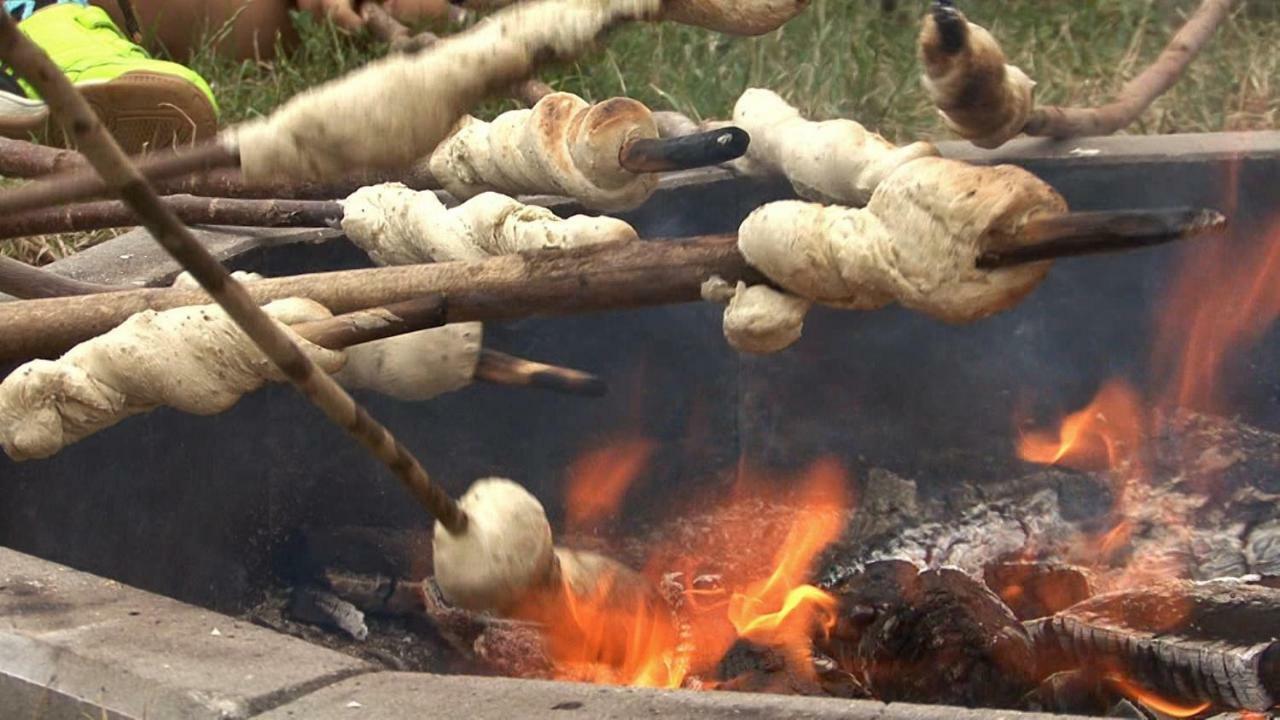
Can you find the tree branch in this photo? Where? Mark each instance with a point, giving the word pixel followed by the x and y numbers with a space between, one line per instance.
pixel 190 209
pixel 1139 93
pixel 101 150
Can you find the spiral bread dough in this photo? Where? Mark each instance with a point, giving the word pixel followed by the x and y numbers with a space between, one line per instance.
pixel 732 17
pixel 414 366
pixel 980 97
pixel 395 110
pixel 192 358
pixel 835 161
pixel 398 226
pixel 916 243
pixel 562 146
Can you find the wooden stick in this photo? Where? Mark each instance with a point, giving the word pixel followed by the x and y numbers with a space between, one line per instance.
pixel 81 124
pixel 1137 94
pixel 22 159
pixel 1089 233
pixel 684 153
pixel 506 369
pixel 544 283
pixel 551 282
pixel 343 331
pixel 190 209
pixel 391 31
pixel 81 183
pixel 131 25
pixel 699 150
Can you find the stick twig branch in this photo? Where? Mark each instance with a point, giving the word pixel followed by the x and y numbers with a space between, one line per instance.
pixel 585 279
pixel 113 165
pixel 190 209
pixel 1137 94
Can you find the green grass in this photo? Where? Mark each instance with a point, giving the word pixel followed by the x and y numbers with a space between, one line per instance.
pixel 848 58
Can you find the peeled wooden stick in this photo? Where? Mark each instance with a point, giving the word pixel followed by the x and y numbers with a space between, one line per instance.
pixel 546 283
pixel 109 160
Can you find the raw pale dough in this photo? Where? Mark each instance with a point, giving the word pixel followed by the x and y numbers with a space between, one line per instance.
pixel 400 226
pixel 503 556
pixel 395 110
pixel 184 281
pixel 980 97
pixel 418 365
pixel 915 243
pixel 560 146
pixel 834 161
pixel 734 17
pixel 414 366
pixel 192 358
pixel 758 318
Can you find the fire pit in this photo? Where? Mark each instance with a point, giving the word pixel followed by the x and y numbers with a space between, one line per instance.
pixel 1033 513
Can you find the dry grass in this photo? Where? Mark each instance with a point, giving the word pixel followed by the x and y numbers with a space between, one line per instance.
pixel 848 58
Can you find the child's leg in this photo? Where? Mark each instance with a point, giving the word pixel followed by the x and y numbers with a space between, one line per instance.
pixel 181 26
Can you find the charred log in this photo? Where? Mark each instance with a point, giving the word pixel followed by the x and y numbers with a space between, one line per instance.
pixel 323 608
pixel 937 636
pixel 1037 589
pixel 1188 642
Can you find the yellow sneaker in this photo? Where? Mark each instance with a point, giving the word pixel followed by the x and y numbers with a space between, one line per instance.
pixel 146 104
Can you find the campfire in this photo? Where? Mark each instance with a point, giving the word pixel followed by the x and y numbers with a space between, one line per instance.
pixel 1118 557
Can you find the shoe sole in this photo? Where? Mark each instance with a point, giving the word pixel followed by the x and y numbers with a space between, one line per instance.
pixel 143 111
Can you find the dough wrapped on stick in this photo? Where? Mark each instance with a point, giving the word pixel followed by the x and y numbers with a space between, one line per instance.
pixel 506 563
pixel 562 145
pixel 399 226
pixel 833 161
pixel 385 115
pixel 732 17
pixel 194 359
pixel 980 96
pixel 916 243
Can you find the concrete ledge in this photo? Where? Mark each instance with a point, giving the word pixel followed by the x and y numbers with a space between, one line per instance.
pixel 73 645
pixel 416 696
pixel 76 646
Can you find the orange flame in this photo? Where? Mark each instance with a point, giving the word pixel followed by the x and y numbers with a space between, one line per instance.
pixel 1133 691
pixel 1226 295
pixel 599 479
pixel 1106 434
pixel 603 629
pixel 781 608
pixel 605 626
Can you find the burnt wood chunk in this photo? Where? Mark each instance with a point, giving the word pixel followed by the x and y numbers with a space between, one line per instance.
pixel 323 608
pixel 1188 642
pixel 1037 589
pixel 937 636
